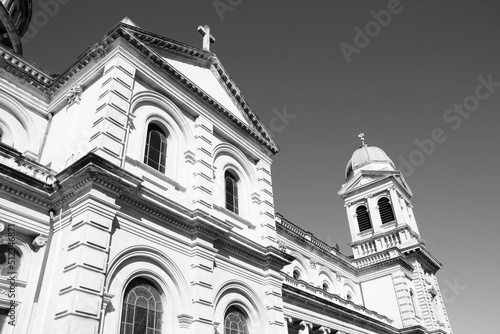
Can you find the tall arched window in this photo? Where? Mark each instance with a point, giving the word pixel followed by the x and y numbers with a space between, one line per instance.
pixel 231 182
pixel 155 154
pixel 385 209
pixel 142 308
pixel 235 321
pixel 364 221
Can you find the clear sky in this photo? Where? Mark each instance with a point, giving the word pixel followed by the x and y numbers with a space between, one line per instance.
pixel 335 74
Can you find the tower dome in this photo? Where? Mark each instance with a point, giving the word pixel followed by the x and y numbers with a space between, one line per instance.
pixel 370 157
pixel 15 17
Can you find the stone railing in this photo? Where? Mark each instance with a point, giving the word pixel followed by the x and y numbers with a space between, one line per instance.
pixel 376 258
pixel 299 232
pixel 334 298
pixel 15 160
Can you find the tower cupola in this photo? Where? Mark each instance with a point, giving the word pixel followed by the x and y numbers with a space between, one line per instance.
pixel 368 158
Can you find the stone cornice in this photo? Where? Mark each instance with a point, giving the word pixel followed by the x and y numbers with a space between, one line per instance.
pixel 263 256
pixel 422 254
pixel 385 176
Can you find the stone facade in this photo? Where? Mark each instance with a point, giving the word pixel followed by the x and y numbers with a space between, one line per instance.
pixel 112 230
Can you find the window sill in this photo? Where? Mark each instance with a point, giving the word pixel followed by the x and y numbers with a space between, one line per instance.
pixel 389 224
pixel 366 232
pixel 236 217
pixel 155 173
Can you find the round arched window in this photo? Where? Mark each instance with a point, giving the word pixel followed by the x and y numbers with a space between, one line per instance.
pixel 296 274
pixel 235 321
pixel 142 308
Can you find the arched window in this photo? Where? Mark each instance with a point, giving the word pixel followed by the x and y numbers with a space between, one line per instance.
pixel 231 182
pixel 296 274
pixel 385 209
pixel 155 154
pixel 235 322
pixel 325 287
pixel 348 297
pixel 142 308
pixel 364 222
pixel 10 260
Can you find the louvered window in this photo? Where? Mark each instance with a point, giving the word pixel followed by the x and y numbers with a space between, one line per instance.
pixel 385 209
pixel 364 222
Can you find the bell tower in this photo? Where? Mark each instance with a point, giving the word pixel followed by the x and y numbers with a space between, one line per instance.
pixel 383 230
pixel 377 200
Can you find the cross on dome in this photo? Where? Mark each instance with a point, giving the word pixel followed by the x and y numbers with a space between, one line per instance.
pixel 207 37
pixel 362 138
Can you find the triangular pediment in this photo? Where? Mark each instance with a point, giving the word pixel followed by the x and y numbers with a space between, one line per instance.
pixel 368 178
pixel 201 72
pixel 209 81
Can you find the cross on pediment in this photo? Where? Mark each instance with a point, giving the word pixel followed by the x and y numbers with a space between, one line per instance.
pixel 207 37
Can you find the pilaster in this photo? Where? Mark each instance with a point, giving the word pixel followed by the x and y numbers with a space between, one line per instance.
pixel 81 283
pixel 201 280
pixel 203 171
pixel 403 299
pixel 111 115
pixel 423 296
pixel 274 305
pixel 266 203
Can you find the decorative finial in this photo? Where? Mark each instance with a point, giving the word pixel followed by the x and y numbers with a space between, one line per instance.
pixel 207 37
pixel 362 138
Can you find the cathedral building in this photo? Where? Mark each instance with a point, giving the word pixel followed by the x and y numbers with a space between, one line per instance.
pixel 136 197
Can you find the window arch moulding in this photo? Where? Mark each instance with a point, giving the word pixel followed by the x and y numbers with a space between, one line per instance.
pixel 156 266
pixel 150 107
pixel 238 294
pixel 227 158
